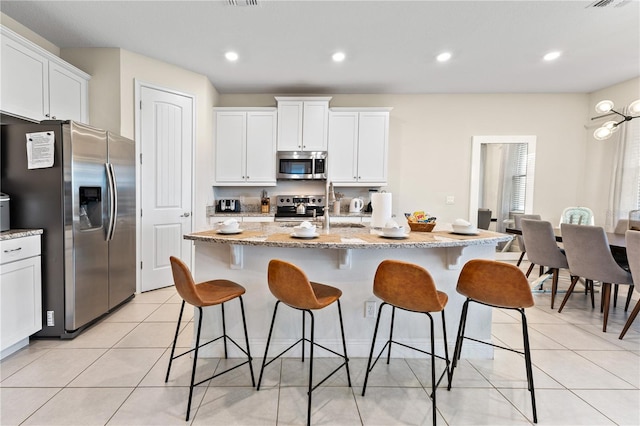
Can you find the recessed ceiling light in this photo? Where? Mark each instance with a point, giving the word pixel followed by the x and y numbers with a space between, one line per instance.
pixel 551 56
pixel 338 57
pixel 443 57
pixel 231 56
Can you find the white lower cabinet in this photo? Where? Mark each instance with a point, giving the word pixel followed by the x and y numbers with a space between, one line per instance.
pixel 20 292
pixel 245 147
pixel 358 146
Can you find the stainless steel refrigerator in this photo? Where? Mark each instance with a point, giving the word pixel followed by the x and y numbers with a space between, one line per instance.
pixel 85 202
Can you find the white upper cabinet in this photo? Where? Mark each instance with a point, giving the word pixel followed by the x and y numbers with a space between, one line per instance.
pixel 302 123
pixel 245 146
pixel 38 85
pixel 358 146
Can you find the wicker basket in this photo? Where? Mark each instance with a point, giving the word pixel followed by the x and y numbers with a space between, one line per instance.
pixel 422 226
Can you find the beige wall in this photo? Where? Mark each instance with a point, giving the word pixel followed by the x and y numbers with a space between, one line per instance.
pixel 430 144
pixel 104 87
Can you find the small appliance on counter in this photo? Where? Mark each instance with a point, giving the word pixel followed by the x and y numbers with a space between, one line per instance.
pixel 5 224
pixel 299 207
pixel 228 205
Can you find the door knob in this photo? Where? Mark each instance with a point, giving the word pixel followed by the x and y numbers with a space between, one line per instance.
pixel 185 215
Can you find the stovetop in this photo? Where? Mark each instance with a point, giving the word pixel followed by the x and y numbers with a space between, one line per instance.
pixel 286 206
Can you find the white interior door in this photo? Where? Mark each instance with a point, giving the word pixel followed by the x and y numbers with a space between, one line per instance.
pixel 166 132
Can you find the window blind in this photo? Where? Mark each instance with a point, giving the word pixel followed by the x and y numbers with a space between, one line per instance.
pixel 519 178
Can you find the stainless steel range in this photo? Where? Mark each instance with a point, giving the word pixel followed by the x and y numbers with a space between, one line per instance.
pixel 299 207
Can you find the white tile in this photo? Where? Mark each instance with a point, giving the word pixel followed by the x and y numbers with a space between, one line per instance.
pixel 56 368
pixel 621 406
pixel 132 312
pixel 329 406
pixel 389 406
pixel 119 368
pixel 623 364
pixel 160 295
pixel 631 340
pixel 571 337
pixel 511 335
pixel 149 335
pixel 92 406
pixel 395 374
pixel 464 376
pixel 238 406
pixel 499 316
pixel 20 359
pixel 296 373
pixel 158 406
pixel 464 406
pixel 556 407
pixel 507 370
pixel 101 335
pixel 19 403
pixel 169 312
pixel 181 368
pixel 241 376
pixel 575 372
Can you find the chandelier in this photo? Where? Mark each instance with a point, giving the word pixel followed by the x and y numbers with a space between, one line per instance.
pixel 610 127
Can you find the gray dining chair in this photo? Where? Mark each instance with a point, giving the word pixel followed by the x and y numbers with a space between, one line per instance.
pixel 633 254
pixel 589 256
pixel 517 219
pixel 543 250
pixel 621 226
pixel 634 220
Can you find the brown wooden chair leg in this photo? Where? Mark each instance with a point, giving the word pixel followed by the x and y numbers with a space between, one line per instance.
pixel 529 270
pixel 554 285
pixel 615 295
pixel 606 295
pixel 590 284
pixel 629 294
pixel 574 280
pixel 632 317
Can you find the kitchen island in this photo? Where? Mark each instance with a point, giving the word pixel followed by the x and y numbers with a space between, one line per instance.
pixel 346 257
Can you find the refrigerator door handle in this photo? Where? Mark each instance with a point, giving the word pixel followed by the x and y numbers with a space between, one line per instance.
pixel 113 200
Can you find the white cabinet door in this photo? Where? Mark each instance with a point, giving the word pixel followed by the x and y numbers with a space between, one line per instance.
pixel 261 147
pixel 67 94
pixel 245 147
pixel 20 292
pixel 25 83
pixel 290 125
pixel 302 124
pixel 231 136
pixel 372 147
pixel 343 147
pixel 314 125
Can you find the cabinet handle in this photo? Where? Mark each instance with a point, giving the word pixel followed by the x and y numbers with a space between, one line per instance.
pixel 248 177
pixel 16 249
pixel 185 215
pixel 359 177
pixel 47 115
pixel 54 117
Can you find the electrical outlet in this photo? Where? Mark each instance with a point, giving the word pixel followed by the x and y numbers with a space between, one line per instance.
pixel 369 309
pixel 450 199
pixel 50 322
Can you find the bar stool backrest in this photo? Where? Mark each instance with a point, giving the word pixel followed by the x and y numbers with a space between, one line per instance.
pixel 495 283
pixel 185 285
pixel 589 255
pixel 290 284
pixel 406 285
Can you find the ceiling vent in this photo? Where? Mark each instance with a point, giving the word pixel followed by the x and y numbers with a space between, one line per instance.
pixel 609 3
pixel 243 2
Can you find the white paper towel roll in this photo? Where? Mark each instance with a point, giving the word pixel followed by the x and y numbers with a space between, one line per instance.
pixel 381 206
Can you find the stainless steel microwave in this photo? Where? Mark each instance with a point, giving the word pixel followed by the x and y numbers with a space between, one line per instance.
pixel 302 165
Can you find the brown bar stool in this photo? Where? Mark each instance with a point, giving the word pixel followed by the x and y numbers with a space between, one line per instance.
pixel 290 285
pixel 411 288
pixel 209 293
pixel 498 285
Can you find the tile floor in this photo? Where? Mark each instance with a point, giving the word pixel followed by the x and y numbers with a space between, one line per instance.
pixel 113 374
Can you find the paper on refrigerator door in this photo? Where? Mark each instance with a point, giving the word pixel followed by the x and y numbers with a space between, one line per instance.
pixel 40 150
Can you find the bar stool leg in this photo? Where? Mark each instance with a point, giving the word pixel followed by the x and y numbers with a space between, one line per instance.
pixel 195 360
pixel 446 350
pixel 224 331
pixel 266 350
pixel 246 338
pixel 433 370
pixel 527 360
pixel 344 344
pixel 459 338
pixel 373 343
pixel 310 367
pixel 303 334
pixel 175 339
pixel 393 316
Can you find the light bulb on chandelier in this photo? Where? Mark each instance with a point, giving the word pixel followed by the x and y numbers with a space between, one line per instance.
pixel 607 129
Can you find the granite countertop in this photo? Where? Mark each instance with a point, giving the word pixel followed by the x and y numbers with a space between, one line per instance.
pixel 338 237
pixel 12 234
